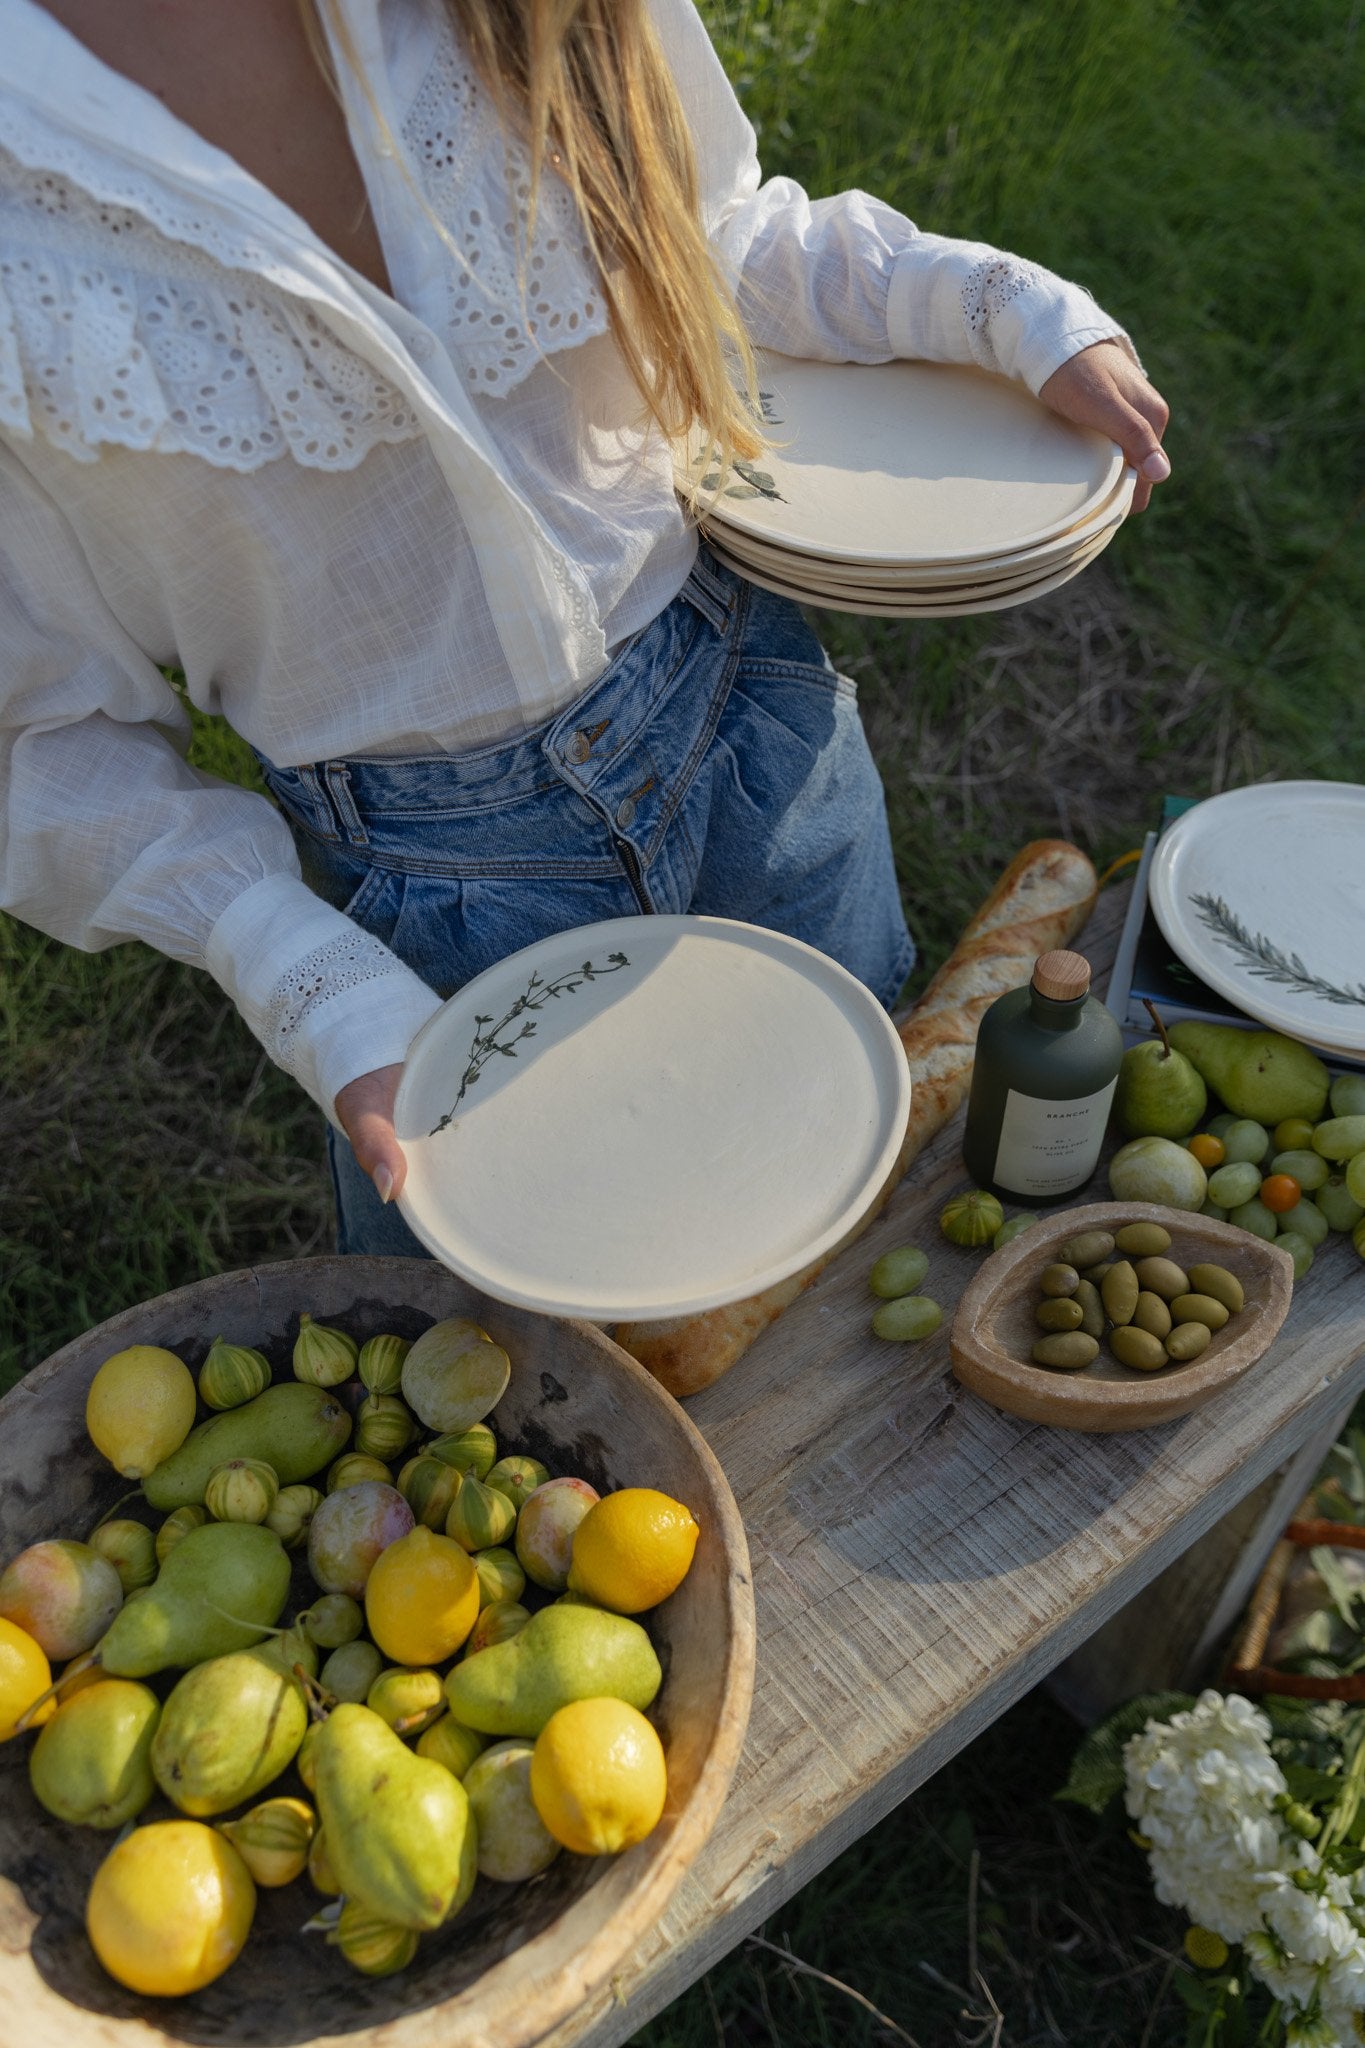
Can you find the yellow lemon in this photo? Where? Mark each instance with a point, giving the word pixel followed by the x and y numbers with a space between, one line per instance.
pixel 25 1675
pixel 140 1408
pixel 632 1549
pixel 598 1778
pixel 421 1598
pixel 171 1906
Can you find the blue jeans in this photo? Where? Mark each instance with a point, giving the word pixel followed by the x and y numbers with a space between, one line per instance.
pixel 718 765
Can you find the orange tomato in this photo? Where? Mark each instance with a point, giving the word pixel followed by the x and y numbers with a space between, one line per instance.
pixel 1207 1149
pixel 1280 1191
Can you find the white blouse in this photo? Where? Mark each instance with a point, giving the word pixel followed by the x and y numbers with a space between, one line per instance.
pixel 361 524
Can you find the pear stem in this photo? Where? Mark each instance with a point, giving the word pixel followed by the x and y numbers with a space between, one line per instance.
pixel 110 1513
pixel 320 1701
pixel 53 1692
pixel 1150 1006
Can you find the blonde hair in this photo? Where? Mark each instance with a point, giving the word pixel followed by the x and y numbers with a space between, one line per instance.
pixel 587 84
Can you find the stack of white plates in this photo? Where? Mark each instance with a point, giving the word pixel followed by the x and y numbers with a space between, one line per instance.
pixel 1262 892
pixel 911 490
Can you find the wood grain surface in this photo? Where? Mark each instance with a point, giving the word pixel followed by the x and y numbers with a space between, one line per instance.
pixel 921 1560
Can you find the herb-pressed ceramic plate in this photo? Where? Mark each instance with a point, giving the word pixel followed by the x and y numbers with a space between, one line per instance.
pixel 1262 892
pixel 649 1117
pixel 906 462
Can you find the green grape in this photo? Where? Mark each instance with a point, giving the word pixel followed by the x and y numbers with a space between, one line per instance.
pixel 1305 1219
pixel 1245 1139
pixel 1219 1126
pixel 899 1272
pixel 1338 1204
pixel 1009 1231
pixel 1255 1217
pixel 1299 1250
pixel 1355 1178
pixel 1211 1208
pixel 1309 1169
pixel 911 1317
pixel 1233 1184
pixel 1348 1095
pixel 1341 1137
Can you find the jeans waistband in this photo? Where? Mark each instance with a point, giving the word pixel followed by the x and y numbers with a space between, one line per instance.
pixel 583 744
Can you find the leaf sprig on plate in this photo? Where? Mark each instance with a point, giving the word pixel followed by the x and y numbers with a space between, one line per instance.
pixel 485 1043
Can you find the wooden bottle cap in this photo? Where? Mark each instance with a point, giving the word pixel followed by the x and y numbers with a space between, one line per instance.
pixel 1062 977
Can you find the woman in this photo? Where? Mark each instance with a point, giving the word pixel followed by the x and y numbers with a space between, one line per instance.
pixel 336 357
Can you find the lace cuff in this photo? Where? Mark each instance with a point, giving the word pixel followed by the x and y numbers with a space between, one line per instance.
pixel 327 1001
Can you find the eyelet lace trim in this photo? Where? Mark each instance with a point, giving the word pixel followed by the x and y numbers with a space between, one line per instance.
pixel 111 332
pixel 327 971
pixel 507 303
pixel 987 291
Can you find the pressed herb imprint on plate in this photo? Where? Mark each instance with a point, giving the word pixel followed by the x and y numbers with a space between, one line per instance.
pixel 1268 961
pixel 485 1043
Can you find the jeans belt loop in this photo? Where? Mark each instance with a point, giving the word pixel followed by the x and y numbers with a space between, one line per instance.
pixel 338 780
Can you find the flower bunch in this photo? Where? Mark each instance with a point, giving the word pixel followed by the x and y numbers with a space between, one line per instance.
pixel 1229 1844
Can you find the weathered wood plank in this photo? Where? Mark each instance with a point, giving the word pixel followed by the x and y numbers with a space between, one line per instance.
pixel 921 1560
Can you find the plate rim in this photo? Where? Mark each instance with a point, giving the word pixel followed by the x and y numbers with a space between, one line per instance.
pixel 606 929
pixel 1243 990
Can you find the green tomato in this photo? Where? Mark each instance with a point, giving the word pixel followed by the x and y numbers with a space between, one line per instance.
pixel 899 1272
pixel 1255 1217
pixel 911 1317
pixel 1305 1219
pixel 1245 1139
pixel 1299 1250
pixel 1235 1183
pixel 1338 1204
pixel 1309 1169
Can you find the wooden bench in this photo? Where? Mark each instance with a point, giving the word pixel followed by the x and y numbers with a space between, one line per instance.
pixel 921 1560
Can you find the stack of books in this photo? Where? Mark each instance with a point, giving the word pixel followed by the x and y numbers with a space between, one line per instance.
pixel 1146 969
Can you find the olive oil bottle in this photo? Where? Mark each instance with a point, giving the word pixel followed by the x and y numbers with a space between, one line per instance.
pixel 1047 1059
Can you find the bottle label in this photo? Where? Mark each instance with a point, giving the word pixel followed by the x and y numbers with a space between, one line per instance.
pixel 1049 1148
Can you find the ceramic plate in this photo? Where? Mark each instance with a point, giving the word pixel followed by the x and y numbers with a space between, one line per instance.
pixel 927 575
pixel 649 1117
pixel 1262 892
pixel 904 462
pixel 894 606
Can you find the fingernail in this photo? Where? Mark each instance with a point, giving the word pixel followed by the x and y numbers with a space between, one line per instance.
pixel 383 1180
pixel 1156 468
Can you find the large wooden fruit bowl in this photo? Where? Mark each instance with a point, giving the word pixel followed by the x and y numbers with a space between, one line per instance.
pixel 518 1959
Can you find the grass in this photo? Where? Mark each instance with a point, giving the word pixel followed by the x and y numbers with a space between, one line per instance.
pixel 1199 166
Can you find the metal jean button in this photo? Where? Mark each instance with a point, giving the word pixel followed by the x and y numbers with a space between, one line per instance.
pixel 625 812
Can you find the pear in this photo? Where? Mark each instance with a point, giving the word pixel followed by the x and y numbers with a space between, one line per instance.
pixel 1257 1074
pixel 563 1653
pixel 222 1588
pixel 229 1727
pixel 400 1836
pixel 1159 1093
pixel 293 1428
pixel 91 1764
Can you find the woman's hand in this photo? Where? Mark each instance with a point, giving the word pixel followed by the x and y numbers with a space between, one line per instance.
pixel 365 1112
pixel 1103 388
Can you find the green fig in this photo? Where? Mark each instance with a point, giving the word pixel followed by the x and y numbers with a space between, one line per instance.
pixel 375 1947
pixel 353 1468
pixel 228 1729
pixel 130 1548
pixel 323 1357
pixel 177 1524
pixel 292 1515
pixel 450 1745
pixel 91 1764
pixel 399 1837
pixel 500 1576
pixel 454 1375
pixel 429 1487
pixel 294 1429
pixel 350 1671
pixel 563 1653
pixel 242 1490
pixel 384 1426
pixel 409 1700
pixel 497 1623
pixel 231 1375
pixel 221 1588
pixel 480 1518
pixel 320 1871
pixel 273 1840
pixel 380 1364
pixel 518 1478
pixel 467 1450
pixel 1258 1074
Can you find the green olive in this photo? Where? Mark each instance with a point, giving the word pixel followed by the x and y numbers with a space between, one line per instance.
pixel 1163 1277
pixel 1065 1314
pixel 1222 1285
pixel 1186 1341
pixel 1199 1308
pixel 1119 1291
pixel 1067 1350
pixel 1088 1249
pixel 1058 1280
pixel 1151 1314
pixel 1142 1240
pixel 1137 1348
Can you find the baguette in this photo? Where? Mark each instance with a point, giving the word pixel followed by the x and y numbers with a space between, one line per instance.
pixel 1040 902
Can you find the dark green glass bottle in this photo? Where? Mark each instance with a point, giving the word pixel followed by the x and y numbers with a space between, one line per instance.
pixel 1047 1058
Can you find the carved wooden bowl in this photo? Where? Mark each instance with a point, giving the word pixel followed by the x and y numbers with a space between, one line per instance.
pixel 994 1330
pixel 518 1959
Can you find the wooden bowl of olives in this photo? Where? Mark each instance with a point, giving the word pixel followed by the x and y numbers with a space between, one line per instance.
pixel 1088 1320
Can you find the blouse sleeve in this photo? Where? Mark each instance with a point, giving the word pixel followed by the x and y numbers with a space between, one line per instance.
pixel 107 833
pixel 848 279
